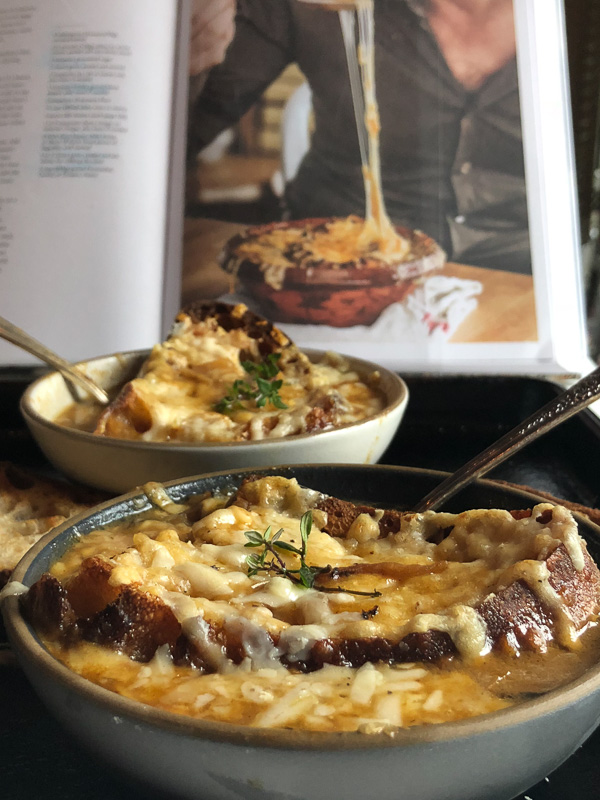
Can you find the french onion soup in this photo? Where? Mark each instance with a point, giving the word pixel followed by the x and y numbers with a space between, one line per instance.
pixel 331 271
pixel 279 606
pixel 226 374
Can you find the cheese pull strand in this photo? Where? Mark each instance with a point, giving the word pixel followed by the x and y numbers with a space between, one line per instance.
pixel 378 232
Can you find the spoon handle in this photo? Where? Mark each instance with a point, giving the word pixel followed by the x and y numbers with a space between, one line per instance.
pixel 26 342
pixel 567 404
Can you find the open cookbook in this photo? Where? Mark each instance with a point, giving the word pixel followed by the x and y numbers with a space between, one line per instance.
pixel 93 102
pixel 348 176
pixel 426 212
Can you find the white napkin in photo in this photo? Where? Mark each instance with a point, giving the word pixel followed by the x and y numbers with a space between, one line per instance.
pixel 433 311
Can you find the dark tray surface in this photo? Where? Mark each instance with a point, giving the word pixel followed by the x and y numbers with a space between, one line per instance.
pixel 449 419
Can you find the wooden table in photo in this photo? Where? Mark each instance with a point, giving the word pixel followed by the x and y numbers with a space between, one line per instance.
pixel 505 310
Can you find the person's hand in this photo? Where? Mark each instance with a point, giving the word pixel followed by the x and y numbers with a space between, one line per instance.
pixel 212 28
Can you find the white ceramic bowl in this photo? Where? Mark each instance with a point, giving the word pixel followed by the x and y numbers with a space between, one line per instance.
pixel 492 757
pixel 118 465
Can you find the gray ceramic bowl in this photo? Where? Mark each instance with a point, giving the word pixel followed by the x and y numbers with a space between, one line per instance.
pixel 117 465
pixel 492 757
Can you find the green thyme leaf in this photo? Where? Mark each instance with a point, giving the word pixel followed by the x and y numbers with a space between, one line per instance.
pixel 254 564
pixel 277 402
pixel 255 539
pixel 305 527
pixel 267 369
pixel 307 576
pixel 289 547
pixel 264 389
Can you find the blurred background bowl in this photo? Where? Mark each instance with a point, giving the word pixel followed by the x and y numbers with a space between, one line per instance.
pixel 492 757
pixel 328 294
pixel 118 465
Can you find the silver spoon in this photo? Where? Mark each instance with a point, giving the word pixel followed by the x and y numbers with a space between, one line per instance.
pixel 23 340
pixel 566 405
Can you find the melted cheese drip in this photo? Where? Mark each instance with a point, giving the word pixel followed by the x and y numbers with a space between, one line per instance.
pixel 537 576
pixel 378 232
pixel 462 623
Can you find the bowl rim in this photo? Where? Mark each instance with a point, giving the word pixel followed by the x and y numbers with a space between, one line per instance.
pixel 138 712
pixel 396 399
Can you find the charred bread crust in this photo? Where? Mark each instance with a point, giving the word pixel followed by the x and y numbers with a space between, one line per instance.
pixel 428 647
pixel 48 607
pixel 136 623
pixel 341 514
pixel 269 338
pixel 89 590
pixel 322 415
pixel 515 620
pixel 127 415
pixel 579 590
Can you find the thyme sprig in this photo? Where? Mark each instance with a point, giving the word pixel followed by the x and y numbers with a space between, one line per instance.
pixel 262 388
pixel 269 559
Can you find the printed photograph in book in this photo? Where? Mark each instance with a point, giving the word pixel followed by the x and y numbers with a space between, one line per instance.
pixel 356 173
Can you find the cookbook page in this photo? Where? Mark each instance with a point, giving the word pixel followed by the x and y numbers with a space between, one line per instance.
pixel 393 180
pixel 92 136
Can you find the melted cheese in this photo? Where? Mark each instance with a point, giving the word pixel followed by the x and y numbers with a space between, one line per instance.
pixel 462 623
pixel 199 570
